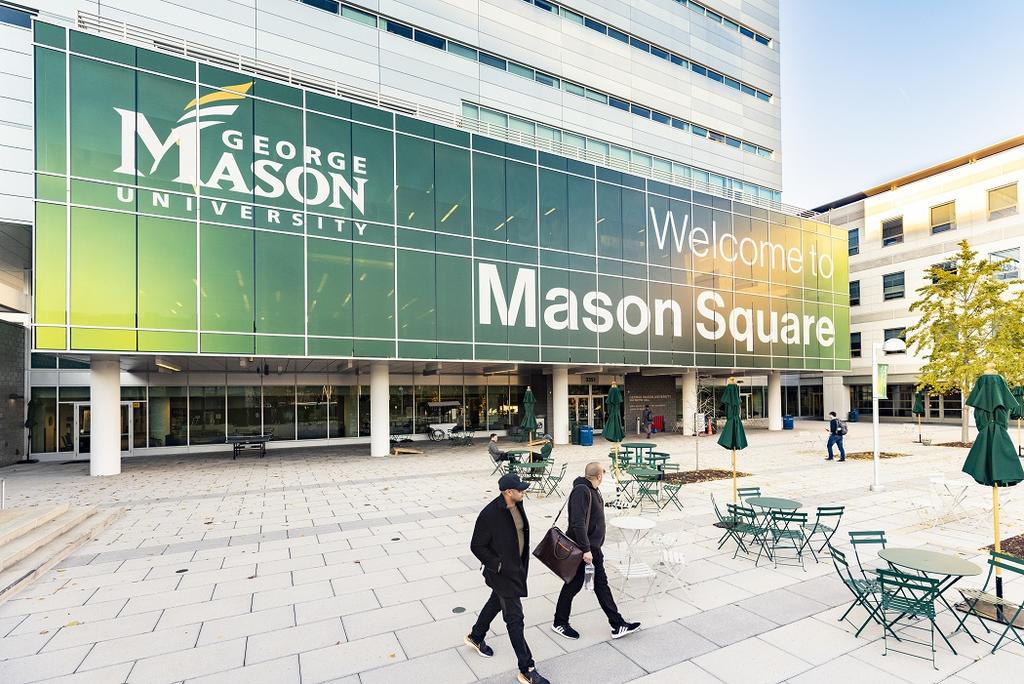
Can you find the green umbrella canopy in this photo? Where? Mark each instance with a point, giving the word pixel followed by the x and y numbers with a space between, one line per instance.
pixel 918 409
pixel 613 430
pixel 732 436
pixel 992 460
pixel 1018 394
pixel 529 421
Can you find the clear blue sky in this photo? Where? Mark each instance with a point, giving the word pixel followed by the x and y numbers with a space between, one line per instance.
pixel 874 89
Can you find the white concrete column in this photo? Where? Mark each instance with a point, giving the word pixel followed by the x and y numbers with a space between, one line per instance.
pixel 689 401
pixel 835 396
pixel 380 401
pixel 105 410
pixel 775 400
pixel 560 405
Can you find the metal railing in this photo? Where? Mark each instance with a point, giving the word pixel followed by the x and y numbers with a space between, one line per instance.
pixel 183 47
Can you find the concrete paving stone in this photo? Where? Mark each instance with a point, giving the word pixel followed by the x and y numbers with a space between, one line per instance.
pixel 727 624
pixel 149 562
pixel 93 581
pixel 102 630
pixel 441 568
pixel 246 624
pixel 759 580
pixel 289 595
pixel 195 613
pixel 23 644
pixel 445 605
pixel 325 572
pixel 848 670
pixel 76 561
pixel 388 562
pixel 681 672
pixel 135 647
pixel 53 620
pixel 918 670
pixel 132 589
pixel 259 538
pixel 335 662
pixel 445 666
pixel 42 666
pixel 189 664
pixel 371 622
pixel 226 551
pixel 168 599
pixel 313 530
pixel 751 661
pixel 436 636
pixel 610 663
pixel 367 580
pixel 255 556
pixel 224 575
pixel 352 555
pixel 658 647
pixel 280 671
pixel 828 590
pixel 994 668
pixel 251 586
pixel 174 569
pixel 290 565
pixel 336 606
pixel 86 570
pixel 62 599
pixel 439 553
pixel 104 675
pixel 9 624
pixel 320 548
pixel 293 640
pixel 412 591
pixel 716 593
pixel 504 661
pixel 810 640
pixel 782 606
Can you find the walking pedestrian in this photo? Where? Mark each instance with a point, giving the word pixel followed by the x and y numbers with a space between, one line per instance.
pixel 586 528
pixel 647 419
pixel 501 541
pixel 836 431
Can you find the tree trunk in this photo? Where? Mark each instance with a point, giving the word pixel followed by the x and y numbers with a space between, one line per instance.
pixel 964 417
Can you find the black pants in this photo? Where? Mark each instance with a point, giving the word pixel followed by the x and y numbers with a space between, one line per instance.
pixel 511 609
pixel 604 593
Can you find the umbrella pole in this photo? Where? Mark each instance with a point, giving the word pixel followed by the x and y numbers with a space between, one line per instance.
pixel 734 476
pixel 998 546
pixel 920 441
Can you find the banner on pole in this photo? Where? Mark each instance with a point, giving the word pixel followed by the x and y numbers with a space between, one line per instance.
pixel 881 382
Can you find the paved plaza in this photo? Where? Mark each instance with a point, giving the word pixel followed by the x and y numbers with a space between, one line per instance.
pixel 326 565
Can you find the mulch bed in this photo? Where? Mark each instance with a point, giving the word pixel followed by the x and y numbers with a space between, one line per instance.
pixel 964 445
pixel 870 455
pixel 1013 546
pixel 706 475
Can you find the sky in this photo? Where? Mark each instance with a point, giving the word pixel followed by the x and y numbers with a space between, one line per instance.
pixel 874 89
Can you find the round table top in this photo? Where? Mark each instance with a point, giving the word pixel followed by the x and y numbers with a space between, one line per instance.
pixel 519 451
pixel 631 522
pixel 773 502
pixel 530 464
pixel 930 562
pixel 638 445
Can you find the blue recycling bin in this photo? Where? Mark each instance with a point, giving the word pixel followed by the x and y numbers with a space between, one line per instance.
pixel 787 422
pixel 586 435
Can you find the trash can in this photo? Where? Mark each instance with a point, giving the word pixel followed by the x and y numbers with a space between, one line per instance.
pixel 854 416
pixel 586 435
pixel 574 437
pixel 787 422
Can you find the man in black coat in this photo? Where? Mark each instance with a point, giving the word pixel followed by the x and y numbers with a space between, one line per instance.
pixel 501 540
pixel 586 528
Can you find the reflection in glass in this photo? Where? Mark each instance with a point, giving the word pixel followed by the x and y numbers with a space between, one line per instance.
pixel 244 411
pixel 279 411
pixel 344 414
pixel 206 415
pixel 311 406
pixel 42 419
pixel 400 409
pixel 168 416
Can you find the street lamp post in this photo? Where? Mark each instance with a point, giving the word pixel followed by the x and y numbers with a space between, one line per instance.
pixel 891 346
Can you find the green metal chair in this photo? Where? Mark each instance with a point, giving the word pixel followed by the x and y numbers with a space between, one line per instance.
pixel 866 592
pixel 726 523
pixel 646 489
pixel 748 530
pixel 551 481
pixel 972 597
pixel 831 514
pixel 785 533
pixel 909 596
pixel 862 539
pixel 670 494
pixel 744 493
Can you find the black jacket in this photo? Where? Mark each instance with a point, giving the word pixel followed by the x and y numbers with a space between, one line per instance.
pixel 833 426
pixel 496 544
pixel 583 495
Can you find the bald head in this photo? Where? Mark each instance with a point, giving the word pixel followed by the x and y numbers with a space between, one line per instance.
pixel 593 470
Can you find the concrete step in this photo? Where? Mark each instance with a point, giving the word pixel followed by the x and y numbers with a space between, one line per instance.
pixel 38 537
pixel 15 522
pixel 80 526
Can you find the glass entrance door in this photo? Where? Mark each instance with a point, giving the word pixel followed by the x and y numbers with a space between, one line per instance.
pixel 83 428
pixel 597 410
pixel 132 427
pixel 579 409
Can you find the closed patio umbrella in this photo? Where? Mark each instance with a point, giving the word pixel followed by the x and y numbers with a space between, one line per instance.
pixel 732 437
pixel 529 421
pixel 613 429
pixel 918 411
pixel 1018 394
pixel 992 460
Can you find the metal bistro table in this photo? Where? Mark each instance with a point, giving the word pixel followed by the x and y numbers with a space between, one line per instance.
pixel 531 472
pixel 514 456
pixel 773 503
pixel 648 484
pixel 951 568
pixel 639 448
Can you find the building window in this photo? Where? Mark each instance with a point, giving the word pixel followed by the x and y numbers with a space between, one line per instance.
pixel 854 292
pixel 1002 201
pixel 1010 259
pixel 854 241
pixel 15 17
pixel 943 217
pixel 896 333
pixel 855 345
pixel 892 232
pixel 893 286
pixel 947 266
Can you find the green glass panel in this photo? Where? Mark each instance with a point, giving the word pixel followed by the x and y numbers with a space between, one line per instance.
pixel 416 239
pixel 373 152
pixel 521 203
pixel 102 295
pixel 106 340
pixel 48 34
pixel 227 173
pixel 330 288
pixel 454 302
pixel 373 292
pixel 52 188
pixel 104 98
pixel 328 105
pixel 223 211
pixel 371 115
pixel 373 349
pixel 561 309
pixel 489 217
pixel 415 180
pixel 226 279
pixel 269 90
pixel 88 44
pixel 168 341
pixel 162 101
pixel 167 274
pixel 330 347
pixel 271 345
pixel 462 352
pixel 609 220
pixel 634 226
pixel 414 126
pixel 279 286
pixel 582 338
pixel 554 210
pixel 50 259
pixel 417 350
pixel 51 338
pixel 333 137
pixel 491 352
pixel 417 302
pixel 276 152
pixel 103 195
pixel 214 343
pixel 165 64
pixel 452 181
pixel 51 152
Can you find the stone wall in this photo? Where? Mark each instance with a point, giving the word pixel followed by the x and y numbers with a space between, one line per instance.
pixel 12 382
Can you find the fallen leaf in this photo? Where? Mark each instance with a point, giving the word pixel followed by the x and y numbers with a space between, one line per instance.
pixel 73 623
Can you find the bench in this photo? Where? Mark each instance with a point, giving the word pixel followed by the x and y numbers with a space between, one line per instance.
pixel 240 442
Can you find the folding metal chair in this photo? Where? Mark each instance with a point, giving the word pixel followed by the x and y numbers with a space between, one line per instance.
pixel 972 597
pixel 749 530
pixel 785 534
pixel 833 514
pixel 909 596
pixel 726 523
pixel 551 481
pixel 670 494
pixel 866 538
pixel 866 592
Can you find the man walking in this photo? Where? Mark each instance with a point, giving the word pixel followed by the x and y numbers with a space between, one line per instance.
pixel 836 430
pixel 647 418
pixel 586 528
pixel 501 541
